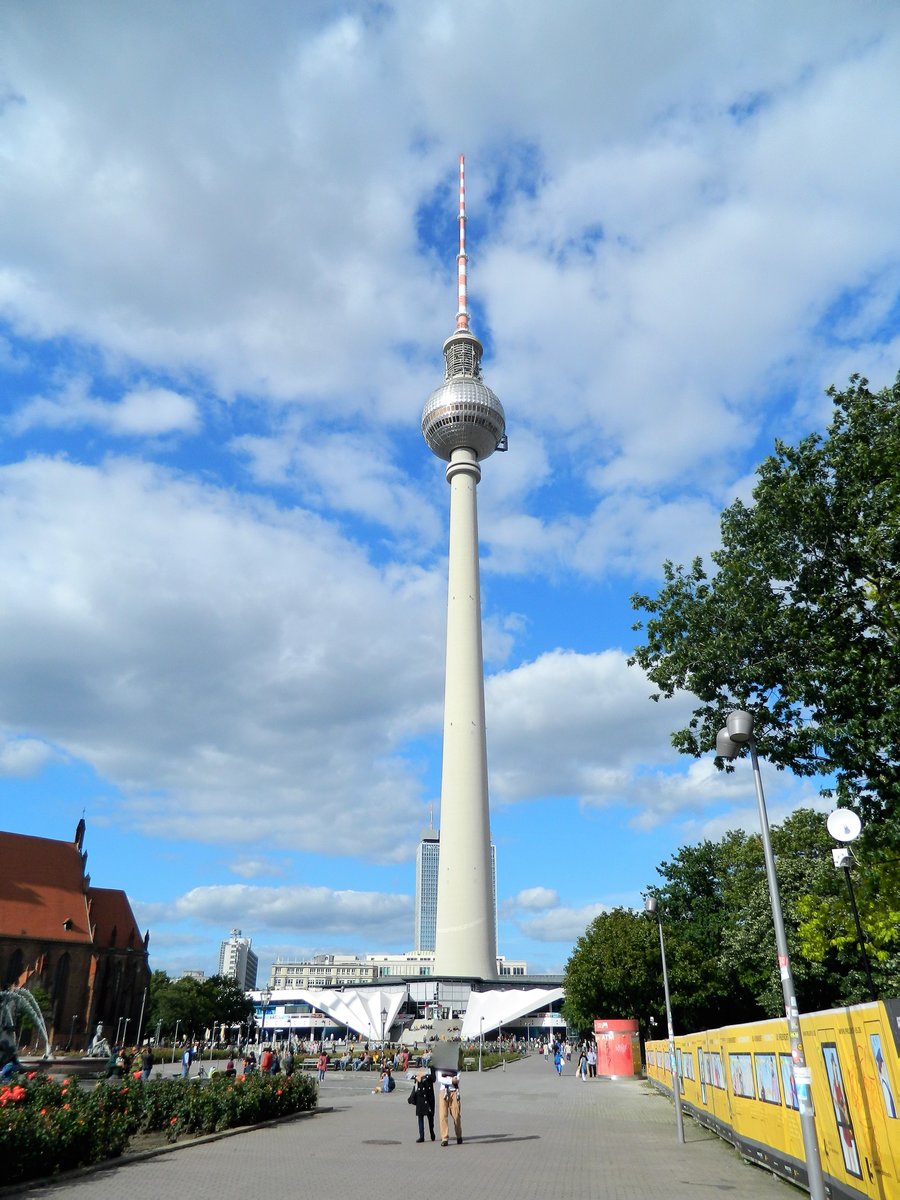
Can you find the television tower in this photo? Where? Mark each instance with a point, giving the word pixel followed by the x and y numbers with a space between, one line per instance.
pixel 463 423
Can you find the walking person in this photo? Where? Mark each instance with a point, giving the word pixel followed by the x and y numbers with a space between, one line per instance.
pixel 322 1065
pixel 422 1097
pixel 582 1065
pixel 592 1062
pixel 558 1059
pixel 147 1061
pixel 448 1104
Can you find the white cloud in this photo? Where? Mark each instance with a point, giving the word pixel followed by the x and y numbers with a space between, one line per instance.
pixel 141 412
pixel 325 910
pixel 536 898
pixel 580 725
pixel 561 924
pixel 253 868
pixel 212 655
pixel 238 242
pixel 21 757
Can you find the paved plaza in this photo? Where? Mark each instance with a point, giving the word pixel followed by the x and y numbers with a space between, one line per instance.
pixel 528 1135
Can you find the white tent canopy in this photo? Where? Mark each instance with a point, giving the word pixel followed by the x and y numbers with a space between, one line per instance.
pixel 489 1010
pixel 360 1009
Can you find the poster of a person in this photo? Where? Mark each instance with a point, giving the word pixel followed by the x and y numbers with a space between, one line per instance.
pixel 890 1104
pixel 842 1117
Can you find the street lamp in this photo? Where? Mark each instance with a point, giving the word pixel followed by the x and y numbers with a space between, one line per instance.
pixel 175 1038
pixel 738 732
pixel 71 1031
pixel 383 1019
pixel 650 906
pixel 844 826
pixel 480 1041
pixel 842 862
pixel 264 996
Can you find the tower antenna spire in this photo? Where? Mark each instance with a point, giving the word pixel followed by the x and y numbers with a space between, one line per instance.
pixel 462 310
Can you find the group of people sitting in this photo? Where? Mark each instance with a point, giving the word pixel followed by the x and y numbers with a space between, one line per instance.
pixel 270 1062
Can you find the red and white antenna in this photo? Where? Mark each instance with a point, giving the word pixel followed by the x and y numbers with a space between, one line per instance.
pixel 462 312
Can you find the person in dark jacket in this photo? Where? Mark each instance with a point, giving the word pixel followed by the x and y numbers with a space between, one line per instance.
pixel 424 1101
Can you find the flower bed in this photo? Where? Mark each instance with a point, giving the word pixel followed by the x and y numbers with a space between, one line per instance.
pixel 47 1127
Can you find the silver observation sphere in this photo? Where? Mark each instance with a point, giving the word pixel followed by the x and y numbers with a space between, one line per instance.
pixel 463 413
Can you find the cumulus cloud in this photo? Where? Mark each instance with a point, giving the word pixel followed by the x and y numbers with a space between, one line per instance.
pixel 141 412
pixel 21 757
pixel 536 897
pixel 209 654
pixel 253 868
pixel 561 924
pixel 297 908
pixel 579 725
pixel 223 294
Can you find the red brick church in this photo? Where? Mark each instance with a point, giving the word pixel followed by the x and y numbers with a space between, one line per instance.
pixel 80 944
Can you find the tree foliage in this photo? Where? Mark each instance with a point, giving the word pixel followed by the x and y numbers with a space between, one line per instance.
pixel 800 623
pixel 613 971
pixel 196 1005
pixel 714 904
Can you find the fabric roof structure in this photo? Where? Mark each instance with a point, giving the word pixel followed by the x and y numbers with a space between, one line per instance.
pixel 359 1009
pixel 501 1007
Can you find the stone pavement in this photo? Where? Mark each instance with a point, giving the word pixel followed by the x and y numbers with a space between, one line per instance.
pixel 528 1135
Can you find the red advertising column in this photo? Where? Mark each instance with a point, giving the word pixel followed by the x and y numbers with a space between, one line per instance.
pixel 618 1049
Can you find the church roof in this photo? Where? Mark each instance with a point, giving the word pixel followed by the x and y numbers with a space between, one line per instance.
pixel 114 923
pixel 45 895
pixel 42 891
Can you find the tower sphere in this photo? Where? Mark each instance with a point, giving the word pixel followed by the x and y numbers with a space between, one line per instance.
pixel 463 413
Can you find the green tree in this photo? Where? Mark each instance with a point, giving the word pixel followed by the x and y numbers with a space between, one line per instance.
pixel 614 971
pixel 229 1003
pixel 196 1005
pixel 800 622
pixel 701 897
pixel 826 930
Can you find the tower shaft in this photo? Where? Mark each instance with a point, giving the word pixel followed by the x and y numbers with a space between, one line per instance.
pixel 465 937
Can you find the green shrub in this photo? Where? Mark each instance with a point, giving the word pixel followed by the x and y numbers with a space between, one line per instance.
pixel 46 1127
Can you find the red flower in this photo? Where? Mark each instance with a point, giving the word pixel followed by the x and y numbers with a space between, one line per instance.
pixel 174 1121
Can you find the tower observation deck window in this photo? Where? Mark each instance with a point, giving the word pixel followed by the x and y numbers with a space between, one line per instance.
pixel 461 358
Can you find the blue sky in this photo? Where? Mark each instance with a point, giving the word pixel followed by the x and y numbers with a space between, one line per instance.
pixel 227 269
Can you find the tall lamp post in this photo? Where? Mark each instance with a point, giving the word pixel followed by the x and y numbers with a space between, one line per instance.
pixel 175 1038
pixel 651 907
pixel 738 732
pixel 264 997
pixel 480 1040
pixel 844 825
pixel 383 1020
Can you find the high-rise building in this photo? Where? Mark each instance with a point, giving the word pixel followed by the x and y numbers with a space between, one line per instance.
pixel 463 423
pixel 428 856
pixel 237 960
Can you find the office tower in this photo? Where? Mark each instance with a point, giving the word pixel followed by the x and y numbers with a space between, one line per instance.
pixel 428 857
pixel 237 960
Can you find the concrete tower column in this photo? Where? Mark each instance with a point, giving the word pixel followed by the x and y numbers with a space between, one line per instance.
pixel 463 423
pixel 465 936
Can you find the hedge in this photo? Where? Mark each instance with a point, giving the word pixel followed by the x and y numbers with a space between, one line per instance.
pixel 48 1127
